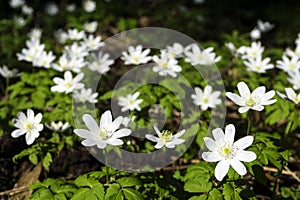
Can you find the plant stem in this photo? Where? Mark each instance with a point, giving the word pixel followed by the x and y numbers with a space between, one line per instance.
pixel 106 167
pixel 6 91
pixel 249 122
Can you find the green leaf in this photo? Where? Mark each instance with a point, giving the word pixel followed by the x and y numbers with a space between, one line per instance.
pixel 197 185
pixel 214 194
pixel 230 193
pixel 114 192
pixel 81 194
pixel 259 174
pixel 132 194
pixel 47 160
pixel 33 159
pixel 42 193
pixel 82 181
pixel 201 197
pixel 128 181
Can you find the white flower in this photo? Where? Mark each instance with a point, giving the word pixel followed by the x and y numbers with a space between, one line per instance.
pixel 166 65
pixel 195 56
pixel 26 10
pixel 294 78
pixel 71 7
pixel 61 36
pixel 59 126
pixel 35 34
pixel 5 72
pixel 90 27
pixel 293 53
pixel 19 21
pixel 69 63
pixel 130 102
pixel 290 96
pixel 43 60
pixel 29 124
pixel 136 55
pixel 166 138
pixel 255 34
pixel 228 153
pixel 253 51
pixel 175 51
pixel 255 100
pixel 206 98
pixel 68 84
pixel 127 121
pixel 89 6
pixel 231 48
pixel 287 64
pixel 104 134
pixel 16 3
pixel 264 26
pixel 85 95
pixel 75 34
pixel 33 51
pixel 92 43
pixel 51 8
pixel 258 65
pixel 100 63
pixel 75 50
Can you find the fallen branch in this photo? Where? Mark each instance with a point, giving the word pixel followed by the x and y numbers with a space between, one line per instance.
pixel 15 190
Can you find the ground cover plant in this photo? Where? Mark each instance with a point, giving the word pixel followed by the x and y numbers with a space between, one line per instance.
pixel 149 100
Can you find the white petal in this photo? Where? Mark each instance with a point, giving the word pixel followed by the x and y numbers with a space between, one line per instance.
pixel 269 102
pixel 281 95
pixel 106 119
pixel 101 145
pixel 179 134
pixel 21 116
pixel 258 107
pixel 30 115
pixel 88 142
pixel 207 90
pixel 18 133
pixel 82 133
pixel 218 135
pixel 244 142
pixel 235 98
pixel 177 141
pixel 114 141
pixel 122 133
pixel 156 130
pixel 30 137
pixel 159 145
pixel 243 89
pixel 115 124
pixel 221 169
pixel 229 133
pixel 268 95
pixel 243 109
pixel 152 138
pixel 90 123
pixel 259 91
pixel 38 118
pixel 135 95
pixel 290 92
pixel 246 156
pixel 211 156
pixel 210 143
pixel 238 167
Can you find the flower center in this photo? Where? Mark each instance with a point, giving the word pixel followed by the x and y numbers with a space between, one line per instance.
pixel 68 85
pixel 28 126
pixel 135 59
pixel 167 136
pixel 257 67
pixel 291 66
pixel 296 100
pixel 227 151
pixel 205 100
pixel 250 102
pixel 104 133
pixel 164 65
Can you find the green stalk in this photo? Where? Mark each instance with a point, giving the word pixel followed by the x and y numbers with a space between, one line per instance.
pixel 249 122
pixel 6 91
pixel 106 166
